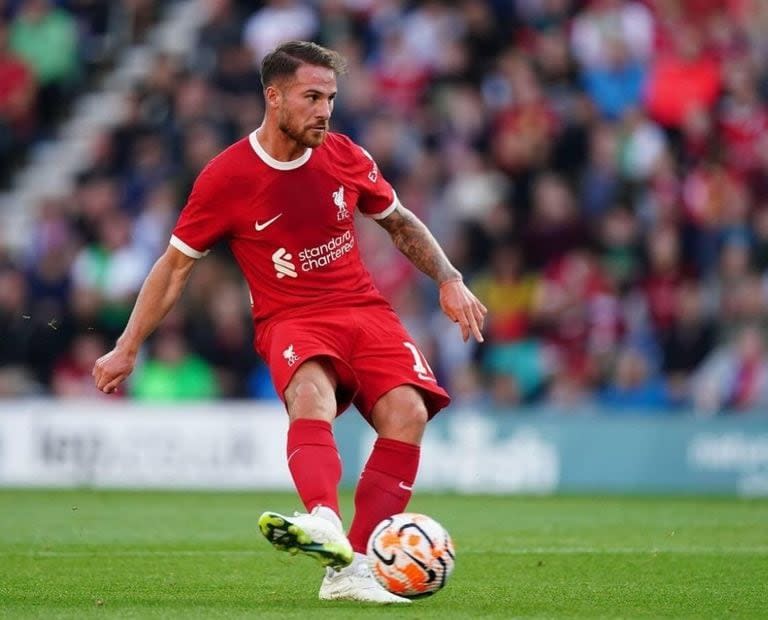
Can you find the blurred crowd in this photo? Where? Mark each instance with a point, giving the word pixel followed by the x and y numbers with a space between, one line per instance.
pixel 598 170
pixel 49 52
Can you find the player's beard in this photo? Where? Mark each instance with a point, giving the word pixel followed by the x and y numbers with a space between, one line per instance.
pixel 303 135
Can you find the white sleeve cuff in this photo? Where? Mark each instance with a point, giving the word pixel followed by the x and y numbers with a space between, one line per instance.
pixel 381 215
pixel 186 249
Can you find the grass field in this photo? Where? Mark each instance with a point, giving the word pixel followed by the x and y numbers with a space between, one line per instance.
pixel 83 554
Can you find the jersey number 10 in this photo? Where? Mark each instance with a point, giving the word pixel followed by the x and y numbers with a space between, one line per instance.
pixel 420 365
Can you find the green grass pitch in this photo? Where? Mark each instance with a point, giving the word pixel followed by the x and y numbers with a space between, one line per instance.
pixel 89 554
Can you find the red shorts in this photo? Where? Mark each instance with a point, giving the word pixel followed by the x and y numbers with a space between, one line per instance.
pixel 369 348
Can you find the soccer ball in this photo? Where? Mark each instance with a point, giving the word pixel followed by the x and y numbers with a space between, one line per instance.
pixel 411 554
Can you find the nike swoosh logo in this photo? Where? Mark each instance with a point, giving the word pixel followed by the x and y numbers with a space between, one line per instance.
pixel 388 561
pixel 405 487
pixel 260 227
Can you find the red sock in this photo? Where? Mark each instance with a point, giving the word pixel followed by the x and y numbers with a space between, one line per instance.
pixel 384 488
pixel 314 463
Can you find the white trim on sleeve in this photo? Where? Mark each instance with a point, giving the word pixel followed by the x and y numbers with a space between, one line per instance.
pixel 186 249
pixel 386 212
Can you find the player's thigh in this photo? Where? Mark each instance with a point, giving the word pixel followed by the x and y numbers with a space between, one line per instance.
pixel 317 349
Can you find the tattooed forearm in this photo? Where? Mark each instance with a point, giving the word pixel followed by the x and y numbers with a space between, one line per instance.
pixel 414 240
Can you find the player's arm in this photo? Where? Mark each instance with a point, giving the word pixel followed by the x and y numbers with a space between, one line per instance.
pixel 160 291
pixel 414 240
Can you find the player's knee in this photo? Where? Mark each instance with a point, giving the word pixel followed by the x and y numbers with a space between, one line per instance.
pixel 415 415
pixel 308 400
pixel 402 417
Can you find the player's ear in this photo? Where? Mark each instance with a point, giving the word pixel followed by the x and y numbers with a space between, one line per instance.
pixel 273 96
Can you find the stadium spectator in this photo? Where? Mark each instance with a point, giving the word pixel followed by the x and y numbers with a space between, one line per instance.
pixel 517 371
pixel 524 128
pixel 15 325
pixel 618 238
pixel 50 251
pixel 507 292
pixel 152 227
pixel 400 79
pixel 71 377
pixel 742 118
pixel 222 335
pixel 734 377
pixel 634 387
pixel 663 276
pixel 555 226
pixel 46 37
pixel 759 227
pixel 617 85
pixel 691 337
pixel 111 269
pixel 149 166
pixel 221 30
pixel 600 182
pixel 682 81
pixel 276 21
pixel 602 23
pixel 172 372
pixel 641 145
pixel 18 93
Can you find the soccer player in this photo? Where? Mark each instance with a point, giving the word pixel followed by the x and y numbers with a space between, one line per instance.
pixel 284 198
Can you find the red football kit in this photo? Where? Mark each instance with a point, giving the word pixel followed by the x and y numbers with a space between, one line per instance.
pixel 290 226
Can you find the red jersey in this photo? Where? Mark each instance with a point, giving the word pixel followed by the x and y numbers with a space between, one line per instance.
pixel 290 225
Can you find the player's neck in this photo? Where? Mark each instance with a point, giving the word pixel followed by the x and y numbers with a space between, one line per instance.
pixel 278 145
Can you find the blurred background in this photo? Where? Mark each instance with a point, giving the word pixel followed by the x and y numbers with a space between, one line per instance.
pixel 597 169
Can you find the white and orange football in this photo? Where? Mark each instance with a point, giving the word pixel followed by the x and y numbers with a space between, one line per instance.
pixel 411 554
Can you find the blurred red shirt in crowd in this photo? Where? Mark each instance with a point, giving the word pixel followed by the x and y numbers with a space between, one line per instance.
pixel 682 81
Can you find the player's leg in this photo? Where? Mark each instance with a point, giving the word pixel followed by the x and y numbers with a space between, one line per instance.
pixel 315 466
pixel 384 489
pixel 399 417
pixel 315 392
pixel 316 469
pixel 397 395
pixel 313 457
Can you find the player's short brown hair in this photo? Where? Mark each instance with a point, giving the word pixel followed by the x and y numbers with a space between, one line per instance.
pixel 289 56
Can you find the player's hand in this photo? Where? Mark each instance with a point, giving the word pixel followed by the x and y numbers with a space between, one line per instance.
pixel 111 370
pixel 462 307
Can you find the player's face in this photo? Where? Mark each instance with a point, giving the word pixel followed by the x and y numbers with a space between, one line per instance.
pixel 306 104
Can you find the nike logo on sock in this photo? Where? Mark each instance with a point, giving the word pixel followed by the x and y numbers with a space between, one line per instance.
pixel 292 454
pixel 405 487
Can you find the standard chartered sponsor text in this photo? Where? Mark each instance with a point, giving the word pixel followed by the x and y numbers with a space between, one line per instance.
pixel 324 254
